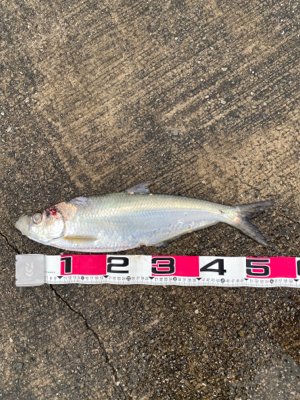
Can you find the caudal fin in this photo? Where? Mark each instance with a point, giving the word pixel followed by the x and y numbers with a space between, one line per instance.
pixel 246 212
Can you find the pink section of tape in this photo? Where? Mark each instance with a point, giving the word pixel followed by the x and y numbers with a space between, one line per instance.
pixel 83 265
pixel 186 266
pixel 273 267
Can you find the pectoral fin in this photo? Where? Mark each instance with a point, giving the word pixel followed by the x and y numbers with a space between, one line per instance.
pixel 81 239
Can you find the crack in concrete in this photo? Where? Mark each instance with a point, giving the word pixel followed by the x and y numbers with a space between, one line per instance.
pixel 256 189
pixel 89 328
pixel 9 244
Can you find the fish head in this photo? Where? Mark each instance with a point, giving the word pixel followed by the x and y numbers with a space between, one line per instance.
pixel 42 227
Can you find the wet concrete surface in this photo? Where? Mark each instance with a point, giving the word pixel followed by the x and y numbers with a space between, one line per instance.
pixel 200 97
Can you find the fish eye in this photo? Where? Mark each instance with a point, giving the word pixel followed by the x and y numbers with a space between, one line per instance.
pixel 37 218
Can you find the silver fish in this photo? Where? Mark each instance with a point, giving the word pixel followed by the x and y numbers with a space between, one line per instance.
pixel 130 219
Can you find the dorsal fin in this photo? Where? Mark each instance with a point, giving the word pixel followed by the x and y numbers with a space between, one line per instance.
pixel 141 188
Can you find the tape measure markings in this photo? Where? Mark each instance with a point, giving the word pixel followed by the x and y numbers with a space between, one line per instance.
pixel 32 270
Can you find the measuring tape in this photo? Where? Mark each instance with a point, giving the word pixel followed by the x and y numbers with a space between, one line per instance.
pixel 36 269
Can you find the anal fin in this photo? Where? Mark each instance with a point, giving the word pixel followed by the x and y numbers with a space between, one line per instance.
pixel 162 244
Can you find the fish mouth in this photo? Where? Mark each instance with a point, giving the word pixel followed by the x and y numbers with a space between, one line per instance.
pixel 24 226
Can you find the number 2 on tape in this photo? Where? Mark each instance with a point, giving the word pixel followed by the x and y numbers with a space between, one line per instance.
pixel 115 263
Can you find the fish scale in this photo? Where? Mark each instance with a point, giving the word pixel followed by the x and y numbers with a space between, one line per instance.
pixel 130 219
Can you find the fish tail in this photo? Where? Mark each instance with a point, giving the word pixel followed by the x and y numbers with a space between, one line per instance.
pixel 245 212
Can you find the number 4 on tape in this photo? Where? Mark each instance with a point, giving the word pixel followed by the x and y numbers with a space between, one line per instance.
pixel 34 270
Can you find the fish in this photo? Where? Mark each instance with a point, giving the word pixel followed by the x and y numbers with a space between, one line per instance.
pixel 132 218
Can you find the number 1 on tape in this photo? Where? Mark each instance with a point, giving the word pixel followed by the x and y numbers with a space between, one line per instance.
pixel 34 270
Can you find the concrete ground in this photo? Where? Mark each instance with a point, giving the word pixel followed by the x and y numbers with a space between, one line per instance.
pixel 202 98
